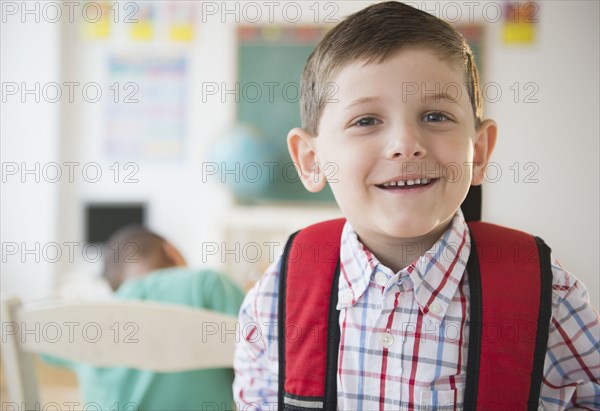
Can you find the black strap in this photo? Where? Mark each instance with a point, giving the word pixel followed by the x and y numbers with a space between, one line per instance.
pixel 475 328
pixel 333 344
pixel 281 320
pixel 543 324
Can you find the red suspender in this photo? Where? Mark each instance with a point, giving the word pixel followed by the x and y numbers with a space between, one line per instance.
pixel 510 307
pixel 510 315
pixel 307 293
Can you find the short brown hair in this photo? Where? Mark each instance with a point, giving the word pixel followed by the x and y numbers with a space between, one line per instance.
pixel 373 35
pixel 132 244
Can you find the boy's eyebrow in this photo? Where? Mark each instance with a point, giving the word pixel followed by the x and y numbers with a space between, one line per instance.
pixel 363 100
pixel 440 96
pixel 425 97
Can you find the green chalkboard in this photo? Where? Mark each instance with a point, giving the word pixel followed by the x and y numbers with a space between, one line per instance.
pixel 271 60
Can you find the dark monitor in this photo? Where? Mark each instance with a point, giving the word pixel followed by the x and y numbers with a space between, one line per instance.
pixel 102 220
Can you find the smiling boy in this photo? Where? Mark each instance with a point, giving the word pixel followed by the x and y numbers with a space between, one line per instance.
pixel 405 131
pixel 378 134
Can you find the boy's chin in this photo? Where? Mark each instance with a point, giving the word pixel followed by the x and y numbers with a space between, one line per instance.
pixel 417 230
pixel 416 234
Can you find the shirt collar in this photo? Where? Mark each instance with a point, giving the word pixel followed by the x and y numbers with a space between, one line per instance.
pixel 434 277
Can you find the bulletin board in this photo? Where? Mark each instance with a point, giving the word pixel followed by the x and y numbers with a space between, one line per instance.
pixel 146 121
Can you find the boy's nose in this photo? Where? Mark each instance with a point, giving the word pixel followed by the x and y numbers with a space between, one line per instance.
pixel 404 143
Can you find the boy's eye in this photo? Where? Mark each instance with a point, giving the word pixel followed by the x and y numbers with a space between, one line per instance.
pixel 365 121
pixel 435 117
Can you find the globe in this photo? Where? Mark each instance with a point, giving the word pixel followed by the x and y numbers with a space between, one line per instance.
pixel 245 159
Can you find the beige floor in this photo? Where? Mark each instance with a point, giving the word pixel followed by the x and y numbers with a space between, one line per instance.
pixel 56 385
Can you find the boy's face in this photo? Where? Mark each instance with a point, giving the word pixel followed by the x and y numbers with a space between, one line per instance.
pixel 405 119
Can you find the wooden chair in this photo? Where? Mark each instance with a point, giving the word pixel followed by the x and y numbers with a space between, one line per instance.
pixel 137 334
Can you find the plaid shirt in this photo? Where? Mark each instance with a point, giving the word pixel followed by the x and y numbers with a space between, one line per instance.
pixel 404 336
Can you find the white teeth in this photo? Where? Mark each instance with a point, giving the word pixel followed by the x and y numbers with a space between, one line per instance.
pixel 401 183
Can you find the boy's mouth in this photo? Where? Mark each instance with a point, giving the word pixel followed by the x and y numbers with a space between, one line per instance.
pixel 407 184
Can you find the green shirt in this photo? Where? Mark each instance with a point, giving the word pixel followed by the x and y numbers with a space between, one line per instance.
pixel 131 389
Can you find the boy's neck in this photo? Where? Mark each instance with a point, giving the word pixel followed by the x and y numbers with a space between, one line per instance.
pixel 399 253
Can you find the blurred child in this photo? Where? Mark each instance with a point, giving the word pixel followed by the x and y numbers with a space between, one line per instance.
pixel 141 265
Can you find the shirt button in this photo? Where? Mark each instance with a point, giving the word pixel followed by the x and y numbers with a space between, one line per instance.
pixel 381 279
pixel 386 339
pixel 435 308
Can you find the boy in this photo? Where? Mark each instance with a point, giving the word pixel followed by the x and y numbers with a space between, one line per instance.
pixel 141 265
pixel 405 131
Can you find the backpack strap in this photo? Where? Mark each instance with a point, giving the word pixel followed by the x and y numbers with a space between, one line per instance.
pixel 308 345
pixel 510 308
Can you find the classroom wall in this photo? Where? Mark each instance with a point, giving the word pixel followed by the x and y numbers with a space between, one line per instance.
pixel 30 53
pixel 561 206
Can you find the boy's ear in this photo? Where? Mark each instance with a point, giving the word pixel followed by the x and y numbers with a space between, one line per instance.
pixel 301 146
pixel 484 145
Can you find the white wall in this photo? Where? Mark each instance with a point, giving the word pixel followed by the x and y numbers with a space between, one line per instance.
pixel 561 207
pixel 30 54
